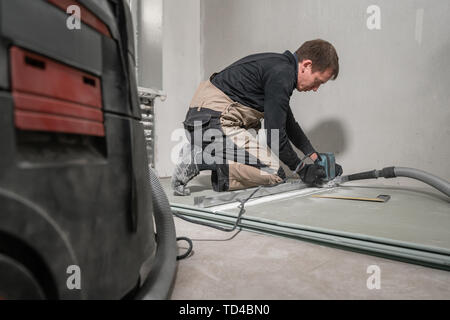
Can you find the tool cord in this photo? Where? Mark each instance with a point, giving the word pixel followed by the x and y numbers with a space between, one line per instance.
pixel 238 218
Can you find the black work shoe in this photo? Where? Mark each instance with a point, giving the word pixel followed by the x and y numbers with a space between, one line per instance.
pixel 184 172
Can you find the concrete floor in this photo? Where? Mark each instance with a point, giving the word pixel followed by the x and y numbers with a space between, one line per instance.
pixel 257 266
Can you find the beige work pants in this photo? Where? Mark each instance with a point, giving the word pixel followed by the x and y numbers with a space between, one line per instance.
pixel 254 164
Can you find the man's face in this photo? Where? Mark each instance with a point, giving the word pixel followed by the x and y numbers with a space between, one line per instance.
pixel 308 80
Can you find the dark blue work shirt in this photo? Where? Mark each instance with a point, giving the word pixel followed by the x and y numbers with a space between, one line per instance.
pixel 265 82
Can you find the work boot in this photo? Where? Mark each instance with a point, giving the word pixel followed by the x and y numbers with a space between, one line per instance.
pixel 185 171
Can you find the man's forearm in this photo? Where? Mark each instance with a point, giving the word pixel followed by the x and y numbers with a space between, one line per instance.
pixel 285 151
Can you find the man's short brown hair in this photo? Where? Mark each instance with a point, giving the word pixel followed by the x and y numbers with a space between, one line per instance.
pixel 322 54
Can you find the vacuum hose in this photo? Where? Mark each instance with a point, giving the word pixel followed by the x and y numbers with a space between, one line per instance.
pixel 392 172
pixel 158 284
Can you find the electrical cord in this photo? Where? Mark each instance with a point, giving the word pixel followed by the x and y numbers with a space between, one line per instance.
pixel 224 229
pixel 238 219
pixel 189 241
pixel 226 239
pixel 188 251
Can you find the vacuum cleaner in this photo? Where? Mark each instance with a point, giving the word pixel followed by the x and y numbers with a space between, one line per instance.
pixel 82 214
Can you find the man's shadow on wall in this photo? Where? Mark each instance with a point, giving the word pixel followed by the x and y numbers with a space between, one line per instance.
pixel 328 136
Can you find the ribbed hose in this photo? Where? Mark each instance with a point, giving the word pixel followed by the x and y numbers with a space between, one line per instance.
pixel 158 284
pixel 428 178
pixel 392 172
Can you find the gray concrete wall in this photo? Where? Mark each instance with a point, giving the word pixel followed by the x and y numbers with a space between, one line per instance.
pixel 147 15
pixel 390 103
pixel 180 74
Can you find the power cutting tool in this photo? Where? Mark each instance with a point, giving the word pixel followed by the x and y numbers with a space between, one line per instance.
pixel 328 162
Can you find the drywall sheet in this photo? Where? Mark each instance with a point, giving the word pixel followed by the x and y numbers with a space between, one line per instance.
pixel 411 216
pixel 413 224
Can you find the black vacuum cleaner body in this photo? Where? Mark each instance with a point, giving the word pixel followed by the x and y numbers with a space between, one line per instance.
pixel 75 212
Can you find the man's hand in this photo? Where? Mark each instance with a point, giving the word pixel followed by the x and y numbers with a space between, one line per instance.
pixel 312 173
pixel 337 168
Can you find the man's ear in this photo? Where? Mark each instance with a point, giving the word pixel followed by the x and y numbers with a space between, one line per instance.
pixel 306 63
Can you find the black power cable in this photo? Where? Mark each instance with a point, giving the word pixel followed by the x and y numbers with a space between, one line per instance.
pixel 188 251
pixel 224 229
pixel 238 219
